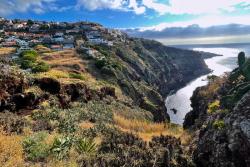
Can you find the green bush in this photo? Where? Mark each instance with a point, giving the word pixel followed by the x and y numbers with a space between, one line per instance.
pixel 76 76
pixel 100 63
pixel 61 146
pixel 86 146
pixel 219 124
pixel 30 57
pixel 40 67
pixel 25 64
pixel 35 147
pixel 213 107
pixel 29 52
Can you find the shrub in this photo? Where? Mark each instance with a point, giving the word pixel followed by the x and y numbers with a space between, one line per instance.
pixel 61 146
pixel 76 76
pixel 101 63
pixel 25 64
pixel 86 146
pixel 29 52
pixel 219 124
pixel 30 57
pixel 35 147
pixel 213 107
pixel 41 67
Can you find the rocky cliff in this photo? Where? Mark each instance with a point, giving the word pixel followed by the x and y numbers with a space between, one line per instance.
pixel 220 117
pixel 147 71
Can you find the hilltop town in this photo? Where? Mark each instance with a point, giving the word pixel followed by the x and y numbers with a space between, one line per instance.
pixel 26 34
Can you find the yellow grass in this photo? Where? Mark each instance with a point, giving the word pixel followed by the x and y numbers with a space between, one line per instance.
pixel 53 74
pixel 11 152
pixel 7 51
pixel 86 125
pixel 146 130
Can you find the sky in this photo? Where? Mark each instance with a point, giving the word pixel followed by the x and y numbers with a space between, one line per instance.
pixel 166 19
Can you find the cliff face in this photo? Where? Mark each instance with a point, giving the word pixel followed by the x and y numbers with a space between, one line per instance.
pixel 220 117
pixel 147 71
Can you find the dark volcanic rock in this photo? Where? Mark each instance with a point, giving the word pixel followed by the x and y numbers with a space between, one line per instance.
pixel 49 84
pixel 229 146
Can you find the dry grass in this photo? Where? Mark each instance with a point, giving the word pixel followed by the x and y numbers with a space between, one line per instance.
pixel 42 49
pixel 86 125
pixel 53 74
pixel 6 51
pixel 11 151
pixel 146 130
pixel 66 60
pixel 212 87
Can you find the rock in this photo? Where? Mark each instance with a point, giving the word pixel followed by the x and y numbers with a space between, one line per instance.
pixel 108 91
pixel 49 85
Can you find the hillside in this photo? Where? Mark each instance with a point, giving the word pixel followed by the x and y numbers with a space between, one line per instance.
pixel 220 119
pixel 93 104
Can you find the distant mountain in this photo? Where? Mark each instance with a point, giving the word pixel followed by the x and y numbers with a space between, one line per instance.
pixel 191 31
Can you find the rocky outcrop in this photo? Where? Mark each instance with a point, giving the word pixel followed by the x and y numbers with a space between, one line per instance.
pixel 223 133
pixel 227 146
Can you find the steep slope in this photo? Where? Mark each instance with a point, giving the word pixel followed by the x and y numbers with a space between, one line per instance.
pixel 147 71
pixel 220 116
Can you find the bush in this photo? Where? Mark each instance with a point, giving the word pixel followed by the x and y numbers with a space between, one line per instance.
pixel 29 52
pixel 35 147
pixel 219 124
pixel 101 63
pixel 213 107
pixel 29 57
pixel 41 67
pixel 86 146
pixel 76 76
pixel 25 64
pixel 61 147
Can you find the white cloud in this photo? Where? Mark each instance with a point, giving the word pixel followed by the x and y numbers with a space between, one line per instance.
pixel 206 21
pixel 203 6
pixel 158 7
pixel 8 7
pixel 134 5
pixel 100 4
pixel 195 7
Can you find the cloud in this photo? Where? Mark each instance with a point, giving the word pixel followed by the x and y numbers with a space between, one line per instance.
pixel 8 7
pixel 203 6
pixel 176 7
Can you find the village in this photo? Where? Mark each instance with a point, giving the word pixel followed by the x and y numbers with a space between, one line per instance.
pixel 58 36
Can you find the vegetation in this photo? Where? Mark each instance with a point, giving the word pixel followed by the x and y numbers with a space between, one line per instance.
pixel 29 60
pixel 76 76
pixel 219 124
pixel 214 106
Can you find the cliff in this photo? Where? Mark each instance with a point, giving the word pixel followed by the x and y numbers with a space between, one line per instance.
pixel 147 71
pixel 220 117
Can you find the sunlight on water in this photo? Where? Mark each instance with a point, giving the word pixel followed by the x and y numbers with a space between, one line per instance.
pixel 181 99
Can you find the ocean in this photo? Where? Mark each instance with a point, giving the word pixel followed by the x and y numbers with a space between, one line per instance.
pixel 219 65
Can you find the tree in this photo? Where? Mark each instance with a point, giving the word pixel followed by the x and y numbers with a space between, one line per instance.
pixel 30 23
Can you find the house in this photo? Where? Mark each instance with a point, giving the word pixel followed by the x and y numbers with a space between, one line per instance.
pixel 34 42
pixel 73 31
pixel 89 51
pixel 56 47
pixel 34 28
pixel 22 43
pixel 59 34
pixel 9 44
pixel 68 46
pixel 58 40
